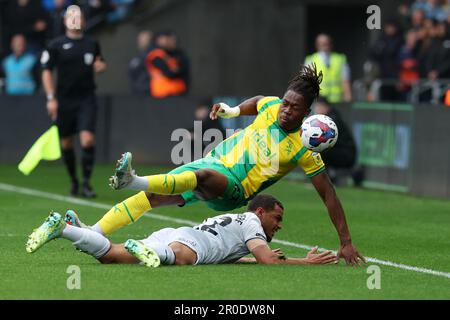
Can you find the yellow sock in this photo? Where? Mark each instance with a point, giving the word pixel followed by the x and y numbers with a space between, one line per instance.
pixel 124 213
pixel 172 183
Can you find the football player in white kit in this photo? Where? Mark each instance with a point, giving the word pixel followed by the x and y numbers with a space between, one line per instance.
pixel 225 238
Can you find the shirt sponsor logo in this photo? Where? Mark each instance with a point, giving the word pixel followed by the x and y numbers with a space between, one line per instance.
pixel 262 145
pixel 289 146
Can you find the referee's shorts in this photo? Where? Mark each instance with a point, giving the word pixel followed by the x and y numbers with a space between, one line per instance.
pixel 76 114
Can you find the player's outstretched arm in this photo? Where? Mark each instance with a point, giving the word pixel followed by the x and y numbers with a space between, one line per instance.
pixel 246 108
pixel 327 192
pixel 264 255
pixel 246 260
pixel 277 251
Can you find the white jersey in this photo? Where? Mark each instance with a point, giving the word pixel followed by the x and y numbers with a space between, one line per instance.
pixel 219 239
pixel 227 236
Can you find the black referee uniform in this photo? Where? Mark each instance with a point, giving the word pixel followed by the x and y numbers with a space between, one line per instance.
pixel 74 60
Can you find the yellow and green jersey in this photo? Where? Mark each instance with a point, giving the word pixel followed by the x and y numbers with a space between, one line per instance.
pixel 263 153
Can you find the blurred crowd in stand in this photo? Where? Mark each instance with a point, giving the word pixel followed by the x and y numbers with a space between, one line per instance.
pixel 160 68
pixel 413 46
pixel 26 26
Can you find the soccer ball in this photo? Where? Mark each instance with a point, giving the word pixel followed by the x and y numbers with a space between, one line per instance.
pixel 319 132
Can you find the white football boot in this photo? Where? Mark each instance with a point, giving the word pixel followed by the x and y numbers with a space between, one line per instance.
pixel 124 172
pixel 51 229
pixel 145 254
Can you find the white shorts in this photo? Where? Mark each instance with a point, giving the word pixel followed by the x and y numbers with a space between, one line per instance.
pixel 194 239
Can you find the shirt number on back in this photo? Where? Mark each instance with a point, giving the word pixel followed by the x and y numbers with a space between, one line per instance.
pixel 210 227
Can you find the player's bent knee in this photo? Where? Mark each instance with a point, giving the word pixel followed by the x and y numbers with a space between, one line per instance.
pixel 160 200
pixel 67 143
pixel 153 199
pixel 210 184
pixel 181 262
pixel 203 175
pixel 87 139
pixel 183 254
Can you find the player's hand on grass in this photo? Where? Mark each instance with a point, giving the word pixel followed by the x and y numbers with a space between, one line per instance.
pixel 52 108
pixel 350 254
pixel 223 110
pixel 280 254
pixel 313 257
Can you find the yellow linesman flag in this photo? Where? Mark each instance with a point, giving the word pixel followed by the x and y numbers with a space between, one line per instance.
pixel 45 148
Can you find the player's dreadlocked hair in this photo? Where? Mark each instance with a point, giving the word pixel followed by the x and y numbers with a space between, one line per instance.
pixel 307 83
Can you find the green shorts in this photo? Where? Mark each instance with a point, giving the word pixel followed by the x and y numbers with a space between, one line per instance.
pixel 233 197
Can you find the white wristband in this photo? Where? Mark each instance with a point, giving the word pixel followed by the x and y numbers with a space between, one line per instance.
pixel 228 112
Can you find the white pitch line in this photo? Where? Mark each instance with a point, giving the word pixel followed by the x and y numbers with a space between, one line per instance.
pixel 374 260
pixel 153 215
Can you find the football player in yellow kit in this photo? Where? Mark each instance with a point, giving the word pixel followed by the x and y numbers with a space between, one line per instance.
pixel 241 166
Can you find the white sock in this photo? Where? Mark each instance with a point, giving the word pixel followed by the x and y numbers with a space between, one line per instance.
pixel 87 240
pixel 72 233
pixel 96 228
pixel 138 183
pixel 165 253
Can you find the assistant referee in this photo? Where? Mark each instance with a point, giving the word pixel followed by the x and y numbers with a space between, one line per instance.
pixel 73 105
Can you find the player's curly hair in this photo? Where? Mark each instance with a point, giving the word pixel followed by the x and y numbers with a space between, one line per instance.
pixel 307 83
pixel 265 201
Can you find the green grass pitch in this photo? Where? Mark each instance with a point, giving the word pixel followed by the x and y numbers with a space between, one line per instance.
pixel 387 226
